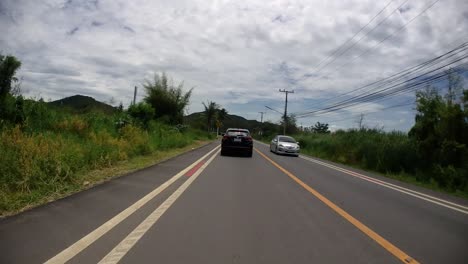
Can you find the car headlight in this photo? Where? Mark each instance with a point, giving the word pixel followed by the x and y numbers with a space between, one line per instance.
pixel 281 145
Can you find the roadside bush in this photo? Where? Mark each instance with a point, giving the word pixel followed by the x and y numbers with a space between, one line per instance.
pixel 388 152
pixel 142 113
pixel 137 138
pixel 31 162
pixel 371 149
pixel 46 153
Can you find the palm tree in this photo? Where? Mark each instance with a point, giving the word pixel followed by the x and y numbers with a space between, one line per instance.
pixel 210 111
pixel 221 114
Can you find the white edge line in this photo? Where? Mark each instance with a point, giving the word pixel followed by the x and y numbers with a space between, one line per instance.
pixel 90 238
pixel 413 193
pixel 364 177
pixel 119 251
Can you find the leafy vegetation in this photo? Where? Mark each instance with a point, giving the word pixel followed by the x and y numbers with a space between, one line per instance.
pixel 46 155
pixel 214 114
pixel 372 149
pixel 142 112
pixel 291 127
pixel 210 113
pixel 440 134
pixel 168 101
pixel 49 149
pixel 434 153
pixel 8 67
pixel 320 128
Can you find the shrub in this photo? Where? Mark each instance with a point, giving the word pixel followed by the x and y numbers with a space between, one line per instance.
pixel 40 158
pixel 142 113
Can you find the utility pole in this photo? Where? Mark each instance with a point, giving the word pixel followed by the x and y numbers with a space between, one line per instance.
pixel 285 108
pixel 261 118
pixel 134 95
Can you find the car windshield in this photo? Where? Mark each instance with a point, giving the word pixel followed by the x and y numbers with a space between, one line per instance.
pixel 241 133
pixel 287 139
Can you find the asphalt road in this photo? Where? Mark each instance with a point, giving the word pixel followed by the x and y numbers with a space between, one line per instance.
pixel 231 209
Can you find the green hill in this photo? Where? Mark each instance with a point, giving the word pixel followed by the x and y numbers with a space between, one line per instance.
pixel 198 120
pixel 83 104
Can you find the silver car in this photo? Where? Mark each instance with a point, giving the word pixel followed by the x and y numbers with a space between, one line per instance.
pixel 285 145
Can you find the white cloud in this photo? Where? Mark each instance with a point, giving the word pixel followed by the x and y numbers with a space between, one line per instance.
pixel 237 53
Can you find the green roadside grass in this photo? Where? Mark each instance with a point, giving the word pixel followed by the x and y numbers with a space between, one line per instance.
pixel 53 153
pixel 402 177
pixel 14 202
pixel 312 149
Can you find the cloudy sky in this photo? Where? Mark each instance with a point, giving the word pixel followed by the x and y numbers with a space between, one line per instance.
pixel 236 53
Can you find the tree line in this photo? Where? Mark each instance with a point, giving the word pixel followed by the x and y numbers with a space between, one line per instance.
pixel 435 150
pixel 436 144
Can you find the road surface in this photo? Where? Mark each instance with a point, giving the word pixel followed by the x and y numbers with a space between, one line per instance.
pixel 201 207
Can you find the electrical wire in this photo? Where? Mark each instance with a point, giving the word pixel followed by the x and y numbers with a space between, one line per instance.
pixel 359 40
pixel 350 39
pixel 405 73
pixel 388 37
pixel 401 75
pixel 273 109
pixel 388 91
pixel 371 112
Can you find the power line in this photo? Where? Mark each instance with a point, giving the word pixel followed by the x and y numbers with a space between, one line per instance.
pixel 388 91
pixel 405 89
pixel 356 107
pixel 386 38
pixel 273 109
pixel 399 76
pixel 359 40
pixel 389 36
pixel 349 40
pixel 371 112
pixel 410 88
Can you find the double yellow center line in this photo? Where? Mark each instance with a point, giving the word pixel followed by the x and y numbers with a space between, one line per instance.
pixel 405 258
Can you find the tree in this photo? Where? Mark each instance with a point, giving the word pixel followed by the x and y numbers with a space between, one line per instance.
pixel 465 114
pixel 321 128
pixel 221 115
pixel 440 132
pixel 270 129
pixel 120 107
pixel 8 67
pixel 424 131
pixel 211 108
pixel 360 121
pixel 168 101
pixel 455 85
pixel 291 127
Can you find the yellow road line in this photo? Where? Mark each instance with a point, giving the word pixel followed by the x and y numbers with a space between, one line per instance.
pixel 405 258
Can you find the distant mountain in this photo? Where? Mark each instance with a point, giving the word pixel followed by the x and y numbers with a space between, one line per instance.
pixel 235 121
pixel 83 104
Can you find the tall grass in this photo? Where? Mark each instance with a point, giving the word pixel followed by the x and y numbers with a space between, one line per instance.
pixel 391 153
pixel 51 149
pixel 370 149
